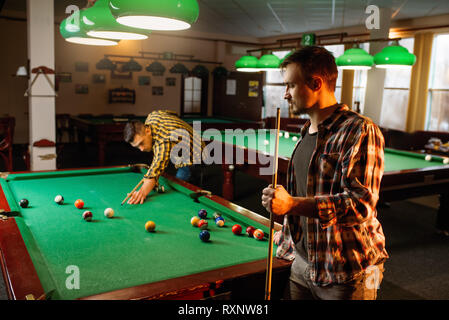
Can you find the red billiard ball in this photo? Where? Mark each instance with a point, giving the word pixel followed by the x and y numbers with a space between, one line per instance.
pixel 258 234
pixel 236 229
pixel 79 204
pixel 250 230
pixel 87 215
pixel 202 224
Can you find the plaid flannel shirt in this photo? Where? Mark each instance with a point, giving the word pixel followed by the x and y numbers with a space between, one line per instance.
pixel 344 177
pixel 169 132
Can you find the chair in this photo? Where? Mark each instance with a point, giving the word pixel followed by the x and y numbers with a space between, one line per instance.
pixel 7 125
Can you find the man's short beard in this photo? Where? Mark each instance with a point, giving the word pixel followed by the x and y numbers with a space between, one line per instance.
pixel 297 112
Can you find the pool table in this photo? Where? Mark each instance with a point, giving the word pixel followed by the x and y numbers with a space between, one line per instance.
pixel 406 175
pixel 47 250
pixel 105 129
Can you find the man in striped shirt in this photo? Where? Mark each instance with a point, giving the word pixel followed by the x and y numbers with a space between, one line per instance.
pixel 330 225
pixel 170 139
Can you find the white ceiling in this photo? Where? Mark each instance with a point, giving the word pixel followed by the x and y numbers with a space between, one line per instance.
pixel 265 18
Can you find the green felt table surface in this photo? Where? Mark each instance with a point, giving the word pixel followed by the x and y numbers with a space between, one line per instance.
pixel 118 253
pixel 257 140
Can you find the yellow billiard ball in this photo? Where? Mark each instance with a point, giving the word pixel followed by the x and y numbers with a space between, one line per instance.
pixel 150 226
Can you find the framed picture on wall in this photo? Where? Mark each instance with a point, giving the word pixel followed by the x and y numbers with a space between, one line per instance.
pixel 158 91
pixel 64 77
pixel 170 82
pixel 144 81
pixel 81 66
pixel 99 78
pixel 253 88
pixel 81 89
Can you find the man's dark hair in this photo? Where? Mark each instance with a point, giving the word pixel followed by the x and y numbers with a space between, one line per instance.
pixel 131 129
pixel 314 60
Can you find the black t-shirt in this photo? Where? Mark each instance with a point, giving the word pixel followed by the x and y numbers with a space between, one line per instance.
pixel 301 160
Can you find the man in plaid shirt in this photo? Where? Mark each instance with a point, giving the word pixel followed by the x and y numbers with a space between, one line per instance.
pixel 330 225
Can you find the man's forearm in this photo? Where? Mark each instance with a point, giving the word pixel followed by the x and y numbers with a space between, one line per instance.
pixel 304 207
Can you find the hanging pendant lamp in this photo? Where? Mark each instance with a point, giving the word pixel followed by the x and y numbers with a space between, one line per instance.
pixel 101 24
pixel 132 66
pixel 355 59
pixel 155 14
pixel 247 64
pixel 73 30
pixel 394 57
pixel 268 62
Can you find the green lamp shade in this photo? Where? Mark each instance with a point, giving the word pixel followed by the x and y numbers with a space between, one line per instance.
pixel 100 23
pixel 132 66
pixel 106 64
pixel 179 68
pixel 247 64
pixel 355 59
pixel 73 30
pixel 394 57
pixel 268 62
pixel 200 71
pixel 220 71
pixel 155 14
pixel 156 67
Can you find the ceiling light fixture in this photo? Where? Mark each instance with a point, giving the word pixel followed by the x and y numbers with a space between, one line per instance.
pixel 355 59
pixel 247 64
pixel 101 24
pixel 394 57
pixel 169 15
pixel 268 62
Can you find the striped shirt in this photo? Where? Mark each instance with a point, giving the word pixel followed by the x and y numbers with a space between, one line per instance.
pixel 344 177
pixel 173 140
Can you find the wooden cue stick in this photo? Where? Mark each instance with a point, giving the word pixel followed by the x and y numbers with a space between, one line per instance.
pixel 129 194
pixel 270 238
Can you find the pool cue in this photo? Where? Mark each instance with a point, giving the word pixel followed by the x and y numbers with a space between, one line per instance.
pixel 129 194
pixel 270 238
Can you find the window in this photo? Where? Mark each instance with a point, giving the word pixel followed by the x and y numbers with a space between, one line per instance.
pixel 359 89
pixel 192 95
pixel 337 50
pixel 438 98
pixel 396 94
pixel 274 90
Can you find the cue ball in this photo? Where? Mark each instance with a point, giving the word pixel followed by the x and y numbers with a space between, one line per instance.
pixel 204 235
pixel 295 138
pixel 236 229
pixel 79 204
pixel 258 234
pixel 109 212
pixel 266 142
pixel 280 134
pixel 24 203
pixel 59 199
pixel 202 224
pixel 428 157
pixel 87 216
pixel 150 226
pixel 194 221
pixel 287 135
pixel 446 161
pixel 202 213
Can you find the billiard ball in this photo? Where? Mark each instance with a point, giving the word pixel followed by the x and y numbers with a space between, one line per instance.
pixel 216 215
pixel 79 204
pixel 87 216
pixel 219 222
pixel 287 135
pixel 204 235
pixel 150 226
pixel 202 213
pixel 446 160
pixel 258 234
pixel 295 138
pixel 280 134
pixel 202 224
pixel 266 142
pixel 109 212
pixel 236 229
pixel 194 221
pixel 428 157
pixel 24 203
pixel 59 199
pixel 250 230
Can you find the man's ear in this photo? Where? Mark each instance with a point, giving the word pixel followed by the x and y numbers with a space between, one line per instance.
pixel 317 83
